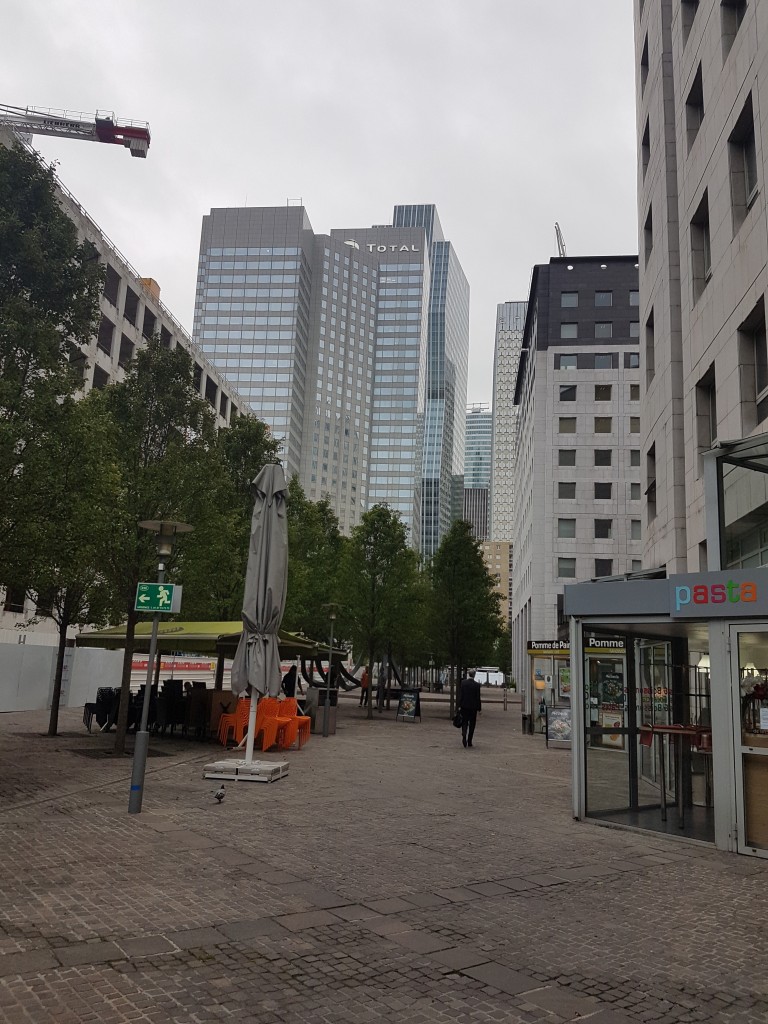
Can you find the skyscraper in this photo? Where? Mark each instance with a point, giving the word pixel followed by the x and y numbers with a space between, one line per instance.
pixel 328 338
pixel 510 322
pixel 477 468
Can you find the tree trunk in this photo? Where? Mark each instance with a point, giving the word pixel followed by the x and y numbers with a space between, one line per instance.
pixel 125 686
pixel 370 683
pixel 452 706
pixel 53 721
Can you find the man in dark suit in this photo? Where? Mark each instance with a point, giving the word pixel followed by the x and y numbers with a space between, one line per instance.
pixel 469 705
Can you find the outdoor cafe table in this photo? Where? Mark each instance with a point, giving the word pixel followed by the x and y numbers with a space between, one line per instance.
pixel 700 736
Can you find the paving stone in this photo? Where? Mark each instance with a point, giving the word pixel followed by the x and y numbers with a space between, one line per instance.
pixel 194 938
pixel 387 925
pixel 502 978
pixel 233 858
pixel 390 905
pixel 245 929
pixel 489 888
pixel 458 894
pixel 356 912
pixel 611 1016
pixel 34 961
pixel 459 957
pixel 421 942
pixel 88 953
pixel 425 899
pixel 146 945
pixel 564 1003
pixel 184 840
pixel 307 919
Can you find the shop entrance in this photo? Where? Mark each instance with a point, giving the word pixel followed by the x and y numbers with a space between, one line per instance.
pixel 749 679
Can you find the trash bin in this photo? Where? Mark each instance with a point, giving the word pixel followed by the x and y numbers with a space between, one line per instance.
pixel 315 708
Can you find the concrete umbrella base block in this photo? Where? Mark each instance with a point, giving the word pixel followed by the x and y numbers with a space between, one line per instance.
pixel 239 771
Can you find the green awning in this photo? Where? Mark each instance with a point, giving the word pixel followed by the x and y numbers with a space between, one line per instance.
pixel 192 638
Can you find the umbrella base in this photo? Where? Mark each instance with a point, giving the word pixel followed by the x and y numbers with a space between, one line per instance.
pixel 239 771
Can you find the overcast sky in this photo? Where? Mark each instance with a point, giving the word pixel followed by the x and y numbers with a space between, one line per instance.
pixel 508 114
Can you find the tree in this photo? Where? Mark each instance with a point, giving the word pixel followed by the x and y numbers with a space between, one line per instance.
pixel 503 652
pixel 62 553
pixel 314 553
pixel 49 301
pixel 465 609
pixel 376 567
pixel 216 554
pixel 164 454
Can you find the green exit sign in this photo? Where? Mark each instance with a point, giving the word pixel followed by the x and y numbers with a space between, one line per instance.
pixel 158 597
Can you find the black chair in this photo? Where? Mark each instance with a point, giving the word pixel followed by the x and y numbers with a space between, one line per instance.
pixel 105 697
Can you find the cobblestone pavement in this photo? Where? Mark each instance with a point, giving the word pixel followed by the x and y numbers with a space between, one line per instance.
pixel 392 876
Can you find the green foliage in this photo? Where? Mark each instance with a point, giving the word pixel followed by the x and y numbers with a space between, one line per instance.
pixel 49 294
pixel 503 651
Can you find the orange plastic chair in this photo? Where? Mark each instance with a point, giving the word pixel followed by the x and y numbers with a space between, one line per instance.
pixel 268 721
pixel 230 721
pixel 297 727
pixel 242 713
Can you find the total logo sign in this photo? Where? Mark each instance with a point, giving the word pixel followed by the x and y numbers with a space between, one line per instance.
pixel 725 595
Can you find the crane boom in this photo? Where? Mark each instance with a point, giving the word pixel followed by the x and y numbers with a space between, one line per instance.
pixel 560 241
pixel 102 126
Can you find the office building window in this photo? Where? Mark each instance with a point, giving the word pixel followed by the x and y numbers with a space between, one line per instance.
pixel 566 567
pixel 634 424
pixel 603 456
pixel 688 10
pixel 130 306
pixel 645 148
pixel 602 490
pixel 603 298
pixel 742 162
pixel 565 362
pixel 569 330
pixel 650 350
pixel 634 392
pixel 603 424
pixel 603 361
pixel 634 456
pixel 14 599
pixel 634 298
pixel 604 330
pixel 603 392
pixel 634 492
pixel 701 251
pixel 566 528
pixel 753 359
pixel 648 235
pixel 706 410
pixel 634 328
pixel 567 425
pixel 111 285
pixel 694 108
pixel 631 360
pixel 650 490
pixel 644 66
pixel 567 392
pixel 635 529
pixel 566 489
pixel 731 16
pixel 603 567
pixel 603 529
pixel 105 335
pixel 637 565
pixel 569 300
pixel 566 457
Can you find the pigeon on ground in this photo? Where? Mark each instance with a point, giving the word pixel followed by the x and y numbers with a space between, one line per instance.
pixel 219 794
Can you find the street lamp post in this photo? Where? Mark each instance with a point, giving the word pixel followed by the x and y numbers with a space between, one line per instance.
pixel 165 533
pixel 327 705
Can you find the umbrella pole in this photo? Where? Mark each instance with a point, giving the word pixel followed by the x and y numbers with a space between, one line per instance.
pixel 251 728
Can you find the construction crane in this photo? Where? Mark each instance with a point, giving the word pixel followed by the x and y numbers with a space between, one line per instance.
pixel 102 126
pixel 560 241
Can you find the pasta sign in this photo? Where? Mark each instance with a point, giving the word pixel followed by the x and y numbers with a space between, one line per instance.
pixel 717 595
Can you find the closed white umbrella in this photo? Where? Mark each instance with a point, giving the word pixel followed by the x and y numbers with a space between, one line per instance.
pixel 256 666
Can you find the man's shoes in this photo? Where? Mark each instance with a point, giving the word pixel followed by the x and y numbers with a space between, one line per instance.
pixel 464 741
pixel 469 744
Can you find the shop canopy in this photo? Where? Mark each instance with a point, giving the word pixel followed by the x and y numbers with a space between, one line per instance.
pixel 193 638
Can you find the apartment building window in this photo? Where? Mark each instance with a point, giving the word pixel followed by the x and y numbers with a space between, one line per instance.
pixel 603 361
pixel 634 392
pixel 650 350
pixel 603 567
pixel 105 335
pixel 701 250
pixel 569 300
pixel 731 16
pixel 566 567
pixel 111 285
pixel 566 489
pixel 694 108
pixel 197 377
pixel 644 66
pixel 126 351
pixel 631 360
pixel 634 424
pixel 165 336
pixel 602 491
pixel 14 599
pixel 635 529
pixel 753 356
pixel 569 330
pixel 634 457
pixel 603 424
pixel 634 298
pixel 565 362
pixel 648 235
pixel 603 392
pixel 645 148
pixel 706 411
pixel 603 456
pixel 566 425
pixel 742 162
pixel 604 330
pixel 566 457
pixel 567 392
pixel 100 378
pixel 603 298
pixel 150 321
pixel 634 492
pixel 688 10
pixel 131 306
pixel 650 490
pixel 566 528
pixel 223 405
pixel 603 529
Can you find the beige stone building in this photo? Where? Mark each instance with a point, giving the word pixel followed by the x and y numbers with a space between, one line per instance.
pixel 497 555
